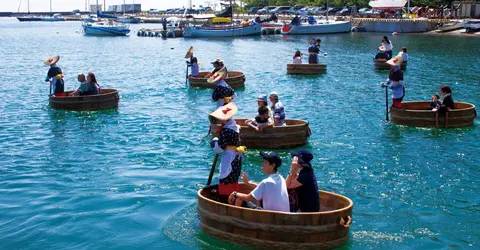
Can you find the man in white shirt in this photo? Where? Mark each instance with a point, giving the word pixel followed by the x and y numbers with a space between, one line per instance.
pixel 272 190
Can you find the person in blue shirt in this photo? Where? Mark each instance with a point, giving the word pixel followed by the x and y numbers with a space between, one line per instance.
pixel 55 75
pixel 277 109
pixel 395 81
pixel 304 181
pixel 313 51
pixel 194 65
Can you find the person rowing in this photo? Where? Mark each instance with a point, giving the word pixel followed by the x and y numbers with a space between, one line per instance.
pixel 55 75
pixel 313 51
pixel 223 93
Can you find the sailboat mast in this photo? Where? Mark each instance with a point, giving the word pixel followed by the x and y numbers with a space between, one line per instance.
pixel 28 6
pixel 123 7
pixel 133 7
pixel 231 17
pixel 50 6
pixel 327 11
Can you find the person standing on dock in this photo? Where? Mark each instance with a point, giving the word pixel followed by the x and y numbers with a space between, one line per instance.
pixel 228 144
pixel 55 75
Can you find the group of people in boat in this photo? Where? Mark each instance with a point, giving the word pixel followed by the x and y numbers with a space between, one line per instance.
pixel 88 84
pixel 313 51
pixel 297 193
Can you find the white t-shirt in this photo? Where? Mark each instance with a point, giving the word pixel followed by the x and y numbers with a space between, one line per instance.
pixel 273 192
pixel 297 60
pixel 388 46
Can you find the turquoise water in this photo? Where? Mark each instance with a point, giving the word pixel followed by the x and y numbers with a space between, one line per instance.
pixel 127 178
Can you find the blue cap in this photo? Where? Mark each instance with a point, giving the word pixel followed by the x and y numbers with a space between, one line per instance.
pixel 304 157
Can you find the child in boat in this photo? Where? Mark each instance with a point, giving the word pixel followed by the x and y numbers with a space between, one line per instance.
pixel 272 191
pixel 297 58
pixel 194 65
pixel 447 100
pixel 262 100
pixel 435 103
pixel 277 109
pixel 395 81
pixel 228 144
pixel 404 54
pixel 261 120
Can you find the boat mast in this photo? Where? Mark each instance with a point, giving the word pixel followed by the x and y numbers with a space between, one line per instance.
pixel 231 17
pixel 123 7
pixel 327 11
pixel 28 6
pixel 50 6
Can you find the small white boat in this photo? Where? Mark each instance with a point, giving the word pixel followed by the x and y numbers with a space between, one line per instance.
pixel 108 28
pixel 129 19
pixel 472 26
pixel 325 27
pixel 223 31
pixel 55 18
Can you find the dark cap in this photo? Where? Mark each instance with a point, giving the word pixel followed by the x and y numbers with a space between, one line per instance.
pixel 304 157
pixel 272 158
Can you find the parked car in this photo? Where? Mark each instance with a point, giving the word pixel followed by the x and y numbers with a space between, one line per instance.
pixel 265 10
pixel 192 11
pixel 316 10
pixel 332 11
pixel 179 11
pixel 344 12
pixel 253 10
pixel 280 10
pixel 170 11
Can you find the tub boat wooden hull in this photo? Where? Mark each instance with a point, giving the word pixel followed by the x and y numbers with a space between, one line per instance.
pixel 306 69
pixel 382 64
pixel 109 98
pixel 293 135
pixel 261 229
pixel 235 80
pixel 418 114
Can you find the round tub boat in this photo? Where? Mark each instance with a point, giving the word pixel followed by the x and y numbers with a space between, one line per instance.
pixel 263 229
pixel 107 99
pixel 306 69
pixel 293 135
pixel 235 80
pixel 382 64
pixel 418 114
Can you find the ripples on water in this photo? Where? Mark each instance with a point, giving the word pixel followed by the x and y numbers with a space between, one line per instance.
pixel 127 178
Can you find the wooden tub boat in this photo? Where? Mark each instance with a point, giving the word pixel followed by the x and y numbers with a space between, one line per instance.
pixel 293 135
pixel 107 99
pixel 419 115
pixel 262 229
pixel 306 69
pixel 382 64
pixel 235 79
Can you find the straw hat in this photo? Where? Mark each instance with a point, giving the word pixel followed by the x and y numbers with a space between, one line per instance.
pixel 217 76
pixel 189 52
pixel 382 48
pixel 396 61
pixel 51 60
pixel 225 112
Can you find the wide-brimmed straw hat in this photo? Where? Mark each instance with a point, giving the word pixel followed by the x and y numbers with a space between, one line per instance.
pixel 382 48
pixel 51 60
pixel 189 52
pixel 225 112
pixel 219 60
pixel 396 61
pixel 217 76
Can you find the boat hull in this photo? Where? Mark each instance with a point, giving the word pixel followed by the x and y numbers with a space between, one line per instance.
pixel 418 114
pixel 321 28
pixel 129 20
pixel 52 19
pixel 382 64
pixel 261 229
pixel 235 80
pixel 251 30
pixel 306 69
pixel 29 19
pixel 293 135
pixel 104 30
pixel 109 98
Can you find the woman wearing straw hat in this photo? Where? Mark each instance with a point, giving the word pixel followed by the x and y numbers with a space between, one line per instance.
pixel 223 93
pixel 395 81
pixel 55 75
pixel 227 144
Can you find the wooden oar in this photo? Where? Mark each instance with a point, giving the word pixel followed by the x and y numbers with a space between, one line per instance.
pixel 212 170
pixel 386 103
pixel 50 83
pixel 186 75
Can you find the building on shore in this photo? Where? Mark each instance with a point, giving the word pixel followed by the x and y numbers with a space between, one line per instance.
pixel 128 8
pixel 466 9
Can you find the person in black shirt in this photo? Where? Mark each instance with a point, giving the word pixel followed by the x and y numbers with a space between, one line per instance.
pixel 55 75
pixel 304 182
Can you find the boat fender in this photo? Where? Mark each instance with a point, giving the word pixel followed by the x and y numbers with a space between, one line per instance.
pixel 139 33
pixel 354 29
pixel 264 31
pixel 153 34
pixel 171 34
pixel 286 28
pixel 395 33
pixel 278 31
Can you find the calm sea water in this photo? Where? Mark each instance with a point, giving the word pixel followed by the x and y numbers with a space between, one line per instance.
pixel 127 178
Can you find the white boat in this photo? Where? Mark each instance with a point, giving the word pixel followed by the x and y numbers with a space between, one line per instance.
pixel 106 28
pixel 90 19
pixel 326 27
pixel 129 19
pixel 223 31
pixel 55 18
pixel 472 26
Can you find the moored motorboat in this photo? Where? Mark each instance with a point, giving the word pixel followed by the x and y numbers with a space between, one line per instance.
pixel 326 27
pixel 129 19
pixel 235 79
pixel 55 18
pixel 418 114
pixel 109 98
pixel 29 19
pixel 223 31
pixel 294 134
pixel 264 229
pixel 306 69
pixel 382 64
pixel 105 29
pixel 472 26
